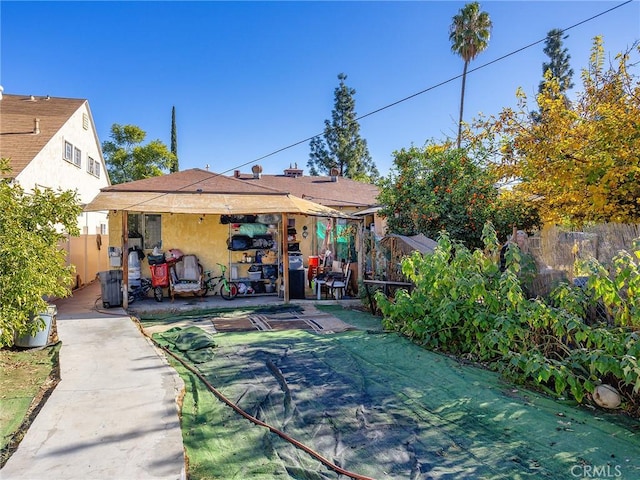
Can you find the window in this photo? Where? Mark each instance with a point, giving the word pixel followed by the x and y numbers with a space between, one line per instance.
pixel 147 227
pixel 93 167
pixel 67 153
pixel 77 157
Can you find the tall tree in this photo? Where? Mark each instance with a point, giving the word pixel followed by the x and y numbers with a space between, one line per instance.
pixel 175 166
pixel 127 159
pixel 342 147
pixel 558 63
pixel 469 35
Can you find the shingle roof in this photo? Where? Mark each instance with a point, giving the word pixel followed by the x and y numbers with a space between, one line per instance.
pixel 194 180
pixel 343 192
pixel 18 142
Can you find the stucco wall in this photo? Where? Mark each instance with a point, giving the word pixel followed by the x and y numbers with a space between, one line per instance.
pixel 83 252
pixel 49 169
pixel 201 235
pixel 206 237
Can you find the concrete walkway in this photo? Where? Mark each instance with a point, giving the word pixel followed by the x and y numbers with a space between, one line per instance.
pixel 114 414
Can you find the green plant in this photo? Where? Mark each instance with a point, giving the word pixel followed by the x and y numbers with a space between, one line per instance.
pixel 462 304
pixel 618 289
pixel 32 263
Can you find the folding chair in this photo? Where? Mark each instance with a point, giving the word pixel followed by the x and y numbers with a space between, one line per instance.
pixel 338 284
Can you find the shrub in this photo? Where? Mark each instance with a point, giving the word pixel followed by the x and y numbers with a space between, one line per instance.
pixel 463 305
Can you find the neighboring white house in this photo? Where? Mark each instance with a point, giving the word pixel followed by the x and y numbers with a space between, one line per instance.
pixel 52 142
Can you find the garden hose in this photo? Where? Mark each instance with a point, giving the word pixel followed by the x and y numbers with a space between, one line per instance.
pixel 256 421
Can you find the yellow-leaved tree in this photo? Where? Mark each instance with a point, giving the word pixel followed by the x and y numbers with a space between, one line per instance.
pixel 579 160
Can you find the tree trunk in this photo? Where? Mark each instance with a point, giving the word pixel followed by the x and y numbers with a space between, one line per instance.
pixel 464 81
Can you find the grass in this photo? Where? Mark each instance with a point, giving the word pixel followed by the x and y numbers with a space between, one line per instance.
pixel 26 379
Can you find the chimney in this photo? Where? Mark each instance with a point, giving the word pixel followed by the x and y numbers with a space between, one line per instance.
pixel 334 173
pixel 36 126
pixel 236 173
pixel 257 171
pixel 293 171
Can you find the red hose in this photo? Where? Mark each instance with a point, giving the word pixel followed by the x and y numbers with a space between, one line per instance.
pixel 256 421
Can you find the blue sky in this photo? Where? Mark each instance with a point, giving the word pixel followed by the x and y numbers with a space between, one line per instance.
pixel 251 78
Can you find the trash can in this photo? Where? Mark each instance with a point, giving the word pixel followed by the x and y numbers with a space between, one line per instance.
pixel 111 284
pixel 296 284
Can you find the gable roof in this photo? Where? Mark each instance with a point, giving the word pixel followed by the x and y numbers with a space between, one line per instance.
pixel 18 140
pixel 339 193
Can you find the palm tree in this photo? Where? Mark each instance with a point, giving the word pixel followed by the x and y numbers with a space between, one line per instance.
pixel 469 34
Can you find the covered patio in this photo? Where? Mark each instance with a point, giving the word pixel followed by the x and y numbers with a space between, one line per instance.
pixel 187 208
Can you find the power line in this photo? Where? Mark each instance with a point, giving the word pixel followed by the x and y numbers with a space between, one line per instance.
pixel 433 87
pixel 402 100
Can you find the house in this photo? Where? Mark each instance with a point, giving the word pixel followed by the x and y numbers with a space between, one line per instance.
pixel 52 142
pixel 350 238
pixel 354 198
pixel 192 211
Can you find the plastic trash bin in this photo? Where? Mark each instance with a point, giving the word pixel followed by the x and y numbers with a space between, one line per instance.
pixel 111 284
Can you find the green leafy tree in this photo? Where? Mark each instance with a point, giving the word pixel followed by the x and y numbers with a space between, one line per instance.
pixel 127 160
pixel 32 264
pixel 342 147
pixel 440 188
pixel 469 35
pixel 558 63
pixel 175 166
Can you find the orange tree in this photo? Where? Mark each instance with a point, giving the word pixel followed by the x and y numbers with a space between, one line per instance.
pixel 439 187
pixel 579 158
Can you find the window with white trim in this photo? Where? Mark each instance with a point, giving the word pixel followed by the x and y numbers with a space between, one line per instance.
pixel 77 157
pixel 93 167
pixel 67 152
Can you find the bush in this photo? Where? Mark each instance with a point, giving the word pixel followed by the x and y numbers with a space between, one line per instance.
pixel 32 264
pixel 463 305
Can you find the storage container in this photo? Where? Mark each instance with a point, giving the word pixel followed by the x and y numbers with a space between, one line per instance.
pixel 40 338
pixel 254 276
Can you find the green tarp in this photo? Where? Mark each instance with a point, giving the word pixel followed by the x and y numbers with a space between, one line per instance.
pixel 378 405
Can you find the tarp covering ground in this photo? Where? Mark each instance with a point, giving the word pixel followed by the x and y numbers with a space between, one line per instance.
pixel 378 405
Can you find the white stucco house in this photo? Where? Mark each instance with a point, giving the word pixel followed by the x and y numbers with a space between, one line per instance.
pixel 52 142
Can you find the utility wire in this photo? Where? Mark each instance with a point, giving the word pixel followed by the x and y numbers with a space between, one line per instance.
pixel 397 102
pixel 444 82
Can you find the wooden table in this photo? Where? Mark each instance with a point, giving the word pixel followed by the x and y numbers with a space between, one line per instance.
pixel 385 288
